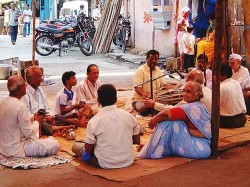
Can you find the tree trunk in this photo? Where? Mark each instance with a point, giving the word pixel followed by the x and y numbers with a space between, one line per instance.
pixel 216 77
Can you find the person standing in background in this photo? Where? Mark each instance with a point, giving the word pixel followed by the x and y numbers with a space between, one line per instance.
pixel 13 22
pixel 182 24
pixel 27 13
pixel 6 20
pixel 96 15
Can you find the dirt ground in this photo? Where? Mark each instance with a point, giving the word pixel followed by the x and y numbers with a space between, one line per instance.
pixel 232 168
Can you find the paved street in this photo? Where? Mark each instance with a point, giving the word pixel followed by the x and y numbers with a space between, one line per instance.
pixel 111 70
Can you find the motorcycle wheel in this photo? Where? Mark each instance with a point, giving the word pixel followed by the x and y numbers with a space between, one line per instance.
pixel 86 47
pixel 45 40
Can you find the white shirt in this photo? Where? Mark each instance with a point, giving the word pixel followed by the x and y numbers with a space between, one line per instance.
pixel 87 92
pixel 63 99
pixel 96 14
pixel 242 75
pixel 15 127
pixel 35 100
pixel 111 130
pixel 142 74
pixel 27 18
pixel 231 98
pixel 188 41
pixel 206 100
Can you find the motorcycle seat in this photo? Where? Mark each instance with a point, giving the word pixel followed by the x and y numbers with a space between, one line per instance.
pixel 54 30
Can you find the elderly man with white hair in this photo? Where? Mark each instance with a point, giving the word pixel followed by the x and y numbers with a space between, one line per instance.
pixel 19 136
pixel 240 73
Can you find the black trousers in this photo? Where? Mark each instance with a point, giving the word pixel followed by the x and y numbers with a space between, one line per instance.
pixel 188 61
pixel 233 121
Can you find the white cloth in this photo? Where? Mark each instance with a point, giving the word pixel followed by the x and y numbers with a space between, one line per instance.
pixel 188 41
pixel 62 99
pixel 28 14
pixel 35 100
pixel 87 92
pixel 208 77
pixel 242 75
pixel 206 100
pixel 6 16
pixel 231 98
pixel 96 14
pixel 18 135
pixel 235 56
pixel 142 74
pixel 111 130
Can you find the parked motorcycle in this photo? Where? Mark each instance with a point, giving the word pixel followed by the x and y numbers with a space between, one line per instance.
pixel 64 38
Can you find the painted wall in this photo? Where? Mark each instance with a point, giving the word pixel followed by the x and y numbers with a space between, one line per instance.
pixel 146 37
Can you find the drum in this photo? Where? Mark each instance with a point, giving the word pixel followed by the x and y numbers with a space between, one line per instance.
pixel 170 96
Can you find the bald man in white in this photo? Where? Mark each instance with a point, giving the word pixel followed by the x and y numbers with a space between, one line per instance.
pixel 19 136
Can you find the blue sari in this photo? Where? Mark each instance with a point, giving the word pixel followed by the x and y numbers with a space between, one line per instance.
pixel 173 137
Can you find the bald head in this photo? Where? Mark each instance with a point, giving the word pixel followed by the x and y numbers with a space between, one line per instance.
pixel 197 76
pixel 34 76
pixel 14 84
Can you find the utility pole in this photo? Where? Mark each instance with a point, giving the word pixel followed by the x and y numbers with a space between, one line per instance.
pixel 34 32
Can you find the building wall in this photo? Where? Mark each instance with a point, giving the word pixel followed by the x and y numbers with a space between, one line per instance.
pixel 145 36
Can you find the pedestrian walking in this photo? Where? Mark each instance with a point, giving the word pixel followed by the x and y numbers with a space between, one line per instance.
pixel 14 14
pixel 27 14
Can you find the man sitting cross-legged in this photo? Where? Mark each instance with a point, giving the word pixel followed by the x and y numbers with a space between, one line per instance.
pixel 232 104
pixel 35 99
pixel 64 108
pixel 19 136
pixel 86 90
pixel 110 134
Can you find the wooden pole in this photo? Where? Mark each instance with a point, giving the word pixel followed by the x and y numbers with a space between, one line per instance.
pixel 34 32
pixel 216 77
pixel 246 7
pixel 176 18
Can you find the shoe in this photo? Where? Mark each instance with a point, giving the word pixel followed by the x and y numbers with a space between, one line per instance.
pixel 24 36
pixel 13 43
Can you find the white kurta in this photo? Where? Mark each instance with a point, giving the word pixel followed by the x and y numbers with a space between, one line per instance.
pixel 242 75
pixel 35 100
pixel 231 98
pixel 18 135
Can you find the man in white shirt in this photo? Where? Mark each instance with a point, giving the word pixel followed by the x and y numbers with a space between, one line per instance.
pixel 96 15
pixel 240 73
pixel 197 76
pixel 110 134
pixel 35 99
pixel 18 134
pixel 86 91
pixel 143 91
pixel 27 13
pixel 232 104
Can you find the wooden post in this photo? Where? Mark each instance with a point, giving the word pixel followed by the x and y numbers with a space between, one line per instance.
pixel 176 18
pixel 216 77
pixel 34 32
pixel 246 7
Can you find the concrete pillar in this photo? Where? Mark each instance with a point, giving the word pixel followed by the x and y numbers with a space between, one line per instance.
pixel 126 8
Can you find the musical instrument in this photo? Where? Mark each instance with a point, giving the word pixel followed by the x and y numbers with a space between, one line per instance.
pixel 170 96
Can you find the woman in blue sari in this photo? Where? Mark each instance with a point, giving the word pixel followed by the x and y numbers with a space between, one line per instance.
pixel 181 131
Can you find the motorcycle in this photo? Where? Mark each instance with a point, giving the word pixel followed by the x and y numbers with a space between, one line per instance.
pixel 52 38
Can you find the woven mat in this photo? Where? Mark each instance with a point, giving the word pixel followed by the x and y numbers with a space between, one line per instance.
pixel 31 162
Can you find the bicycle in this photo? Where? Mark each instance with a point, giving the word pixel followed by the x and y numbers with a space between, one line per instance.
pixel 122 35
